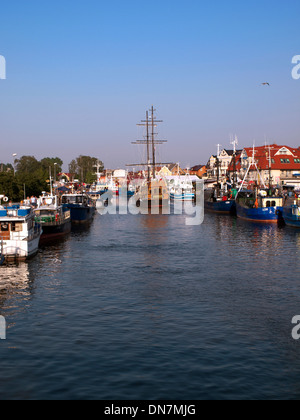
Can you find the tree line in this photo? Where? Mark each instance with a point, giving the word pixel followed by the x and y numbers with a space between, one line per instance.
pixel 29 176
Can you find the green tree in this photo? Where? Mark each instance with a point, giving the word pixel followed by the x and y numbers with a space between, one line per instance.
pixel 55 164
pixel 85 168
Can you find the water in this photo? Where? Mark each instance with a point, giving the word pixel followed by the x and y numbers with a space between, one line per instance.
pixel 144 307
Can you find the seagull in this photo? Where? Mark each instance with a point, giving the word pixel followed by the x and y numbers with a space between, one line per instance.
pixel 266 84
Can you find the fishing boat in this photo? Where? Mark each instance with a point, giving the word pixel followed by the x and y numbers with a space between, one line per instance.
pixel 291 215
pixel 219 202
pixel 19 233
pixel 54 218
pixel 81 206
pixel 258 206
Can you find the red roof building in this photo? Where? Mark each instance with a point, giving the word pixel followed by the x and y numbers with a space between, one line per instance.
pixel 284 162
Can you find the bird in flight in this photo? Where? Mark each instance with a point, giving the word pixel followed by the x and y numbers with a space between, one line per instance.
pixel 266 84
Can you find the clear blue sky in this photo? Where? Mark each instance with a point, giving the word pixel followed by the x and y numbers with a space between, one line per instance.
pixel 81 74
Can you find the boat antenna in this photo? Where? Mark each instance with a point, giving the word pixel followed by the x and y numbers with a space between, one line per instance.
pixel 234 142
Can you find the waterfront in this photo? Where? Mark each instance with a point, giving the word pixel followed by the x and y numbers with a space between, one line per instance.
pixel 145 307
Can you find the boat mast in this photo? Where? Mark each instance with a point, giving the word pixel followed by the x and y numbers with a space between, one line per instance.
pixel 252 162
pixel 270 169
pixel 218 170
pixel 150 141
pixel 235 142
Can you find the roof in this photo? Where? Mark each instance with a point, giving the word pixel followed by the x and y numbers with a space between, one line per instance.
pixel 198 167
pixel 282 157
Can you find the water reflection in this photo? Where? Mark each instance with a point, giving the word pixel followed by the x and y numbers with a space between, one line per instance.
pixel 16 283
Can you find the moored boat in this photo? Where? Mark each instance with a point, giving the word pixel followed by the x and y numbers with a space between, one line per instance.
pixel 259 207
pixel 153 194
pixel 81 206
pixel 291 215
pixel 19 233
pixel 54 218
pixel 221 205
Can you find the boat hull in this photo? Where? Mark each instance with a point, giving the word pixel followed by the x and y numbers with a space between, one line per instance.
pixel 182 197
pixel 291 219
pixel 262 215
pixel 21 250
pixel 55 232
pixel 222 207
pixel 81 215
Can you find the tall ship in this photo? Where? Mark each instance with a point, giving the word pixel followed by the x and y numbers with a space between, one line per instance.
pixel 54 218
pixel 82 207
pixel 153 192
pixel 259 204
pixel 19 233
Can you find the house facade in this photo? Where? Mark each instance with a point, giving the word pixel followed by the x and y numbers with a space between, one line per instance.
pixel 281 162
pixel 225 159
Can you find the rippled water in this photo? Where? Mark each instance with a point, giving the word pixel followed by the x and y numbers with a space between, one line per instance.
pixel 144 307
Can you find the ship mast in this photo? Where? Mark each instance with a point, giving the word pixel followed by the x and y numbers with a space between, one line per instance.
pixel 150 141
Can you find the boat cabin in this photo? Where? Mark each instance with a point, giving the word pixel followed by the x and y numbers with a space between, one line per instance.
pixel 262 200
pixel 15 223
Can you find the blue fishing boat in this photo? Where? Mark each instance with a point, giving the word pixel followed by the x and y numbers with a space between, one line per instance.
pixel 81 206
pixel 291 216
pixel 259 207
pixel 220 206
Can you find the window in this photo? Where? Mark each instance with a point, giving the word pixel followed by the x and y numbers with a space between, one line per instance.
pixel 297 160
pixel 287 161
pixel 16 227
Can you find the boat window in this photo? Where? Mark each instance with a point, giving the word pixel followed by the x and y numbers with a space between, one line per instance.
pixel 16 227
pixel 268 204
pixel 274 204
pixel 44 213
pixel 4 227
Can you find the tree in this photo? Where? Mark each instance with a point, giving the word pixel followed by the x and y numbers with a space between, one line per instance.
pixel 27 165
pixel 85 168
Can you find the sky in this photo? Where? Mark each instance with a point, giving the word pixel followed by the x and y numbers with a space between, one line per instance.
pixel 81 75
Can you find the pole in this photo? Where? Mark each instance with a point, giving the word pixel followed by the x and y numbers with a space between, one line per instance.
pixel 148 144
pixel 153 143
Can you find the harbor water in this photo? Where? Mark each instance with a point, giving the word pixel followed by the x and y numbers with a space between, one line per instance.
pixel 145 307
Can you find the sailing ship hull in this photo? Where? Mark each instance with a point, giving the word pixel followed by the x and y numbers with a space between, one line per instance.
pixel 291 216
pixel 263 215
pixel 221 207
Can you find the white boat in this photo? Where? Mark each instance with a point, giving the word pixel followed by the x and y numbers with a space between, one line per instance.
pixel 181 187
pixel 19 233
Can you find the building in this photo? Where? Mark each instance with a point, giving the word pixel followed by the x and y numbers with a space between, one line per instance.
pixel 198 170
pixel 282 162
pixel 225 160
pixel 170 170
